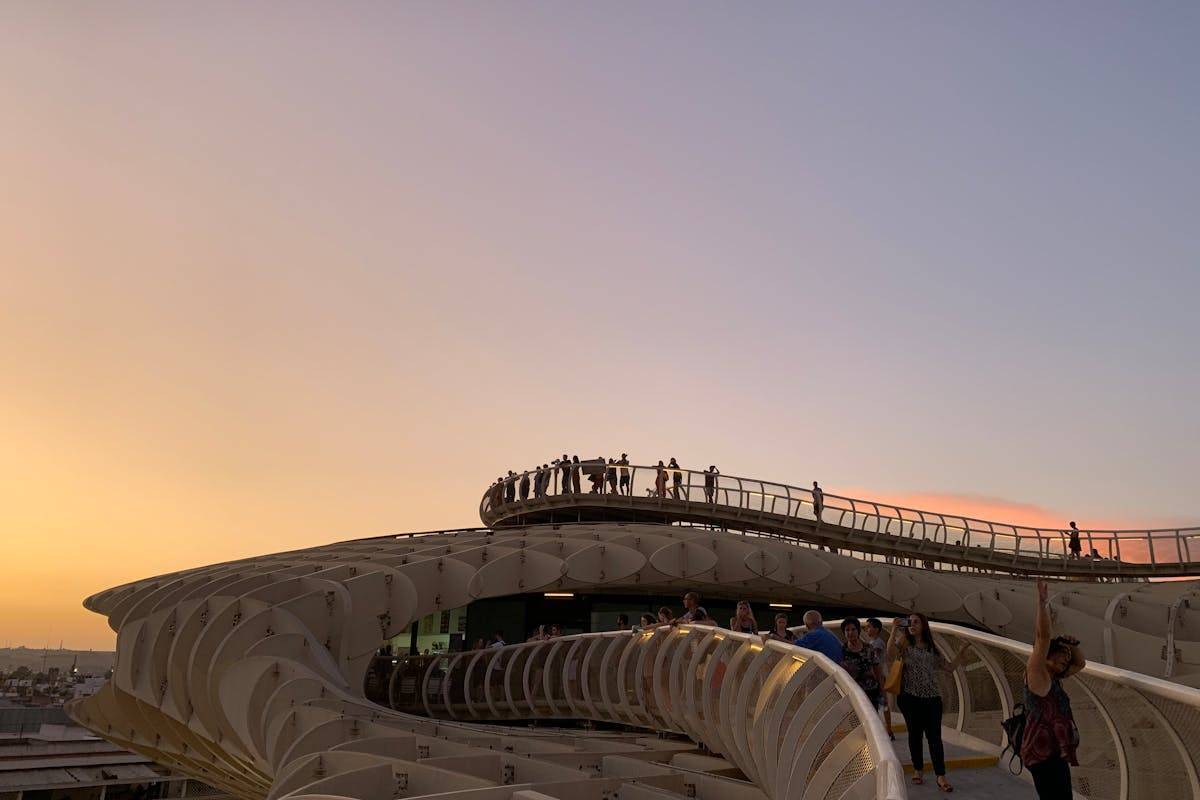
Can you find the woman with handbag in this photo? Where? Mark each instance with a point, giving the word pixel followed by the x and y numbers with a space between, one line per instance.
pixel 920 694
pixel 1051 736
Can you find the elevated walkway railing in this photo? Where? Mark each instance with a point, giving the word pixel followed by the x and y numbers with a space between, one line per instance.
pixel 792 721
pixel 684 494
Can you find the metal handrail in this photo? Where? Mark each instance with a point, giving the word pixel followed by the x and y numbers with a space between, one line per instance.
pixel 789 718
pixel 975 539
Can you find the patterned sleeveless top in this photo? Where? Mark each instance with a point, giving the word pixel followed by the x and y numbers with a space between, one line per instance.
pixel 1049 727
pixel 921 672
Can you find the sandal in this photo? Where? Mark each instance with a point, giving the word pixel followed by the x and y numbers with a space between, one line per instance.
pixel 918 778
pixel 943 784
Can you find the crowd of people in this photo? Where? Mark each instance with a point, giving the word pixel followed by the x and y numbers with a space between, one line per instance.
pixel 901 670
pixel 566 475
pixel 605 475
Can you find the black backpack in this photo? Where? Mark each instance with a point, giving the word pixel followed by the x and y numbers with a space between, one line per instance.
pixel 1014 732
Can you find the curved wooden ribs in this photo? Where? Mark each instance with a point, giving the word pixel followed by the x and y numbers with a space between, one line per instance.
pixel 249 675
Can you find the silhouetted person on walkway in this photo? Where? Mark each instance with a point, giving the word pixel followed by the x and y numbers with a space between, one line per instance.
pixel 710 483
pixel 626 486
pixel 524 486
pixel 660 480
pixel 575 475
pixel 818 498
pixel 1075 545
pixel 595 474
pixel 510 487
pixel 622 622
pixel 564 467
pixel 676 478
pixel 612 477
pixel 665 616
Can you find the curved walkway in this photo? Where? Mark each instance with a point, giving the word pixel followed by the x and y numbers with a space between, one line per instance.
pixel 684 495
pixel 749 701
pixel 792 721
pixel 250 675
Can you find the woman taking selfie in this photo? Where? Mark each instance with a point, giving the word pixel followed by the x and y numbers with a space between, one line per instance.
pixel 920 699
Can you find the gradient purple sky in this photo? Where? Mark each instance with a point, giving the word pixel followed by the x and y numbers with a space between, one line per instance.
pixel 277 274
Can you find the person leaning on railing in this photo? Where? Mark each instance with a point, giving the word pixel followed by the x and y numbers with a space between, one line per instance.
pixel 1051 736
pixel 743 619
pixel 710 483
pixel 676 478
pixel 693 612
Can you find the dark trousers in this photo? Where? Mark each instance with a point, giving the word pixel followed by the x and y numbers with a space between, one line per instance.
pixel 1052 779
pixel 923 716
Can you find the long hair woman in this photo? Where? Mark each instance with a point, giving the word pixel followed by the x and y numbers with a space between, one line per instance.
pixel 743 619
pixel 920 699
pixel 780 632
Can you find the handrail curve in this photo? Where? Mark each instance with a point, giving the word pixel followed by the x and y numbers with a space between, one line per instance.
pixel 790 719
pixel 685 494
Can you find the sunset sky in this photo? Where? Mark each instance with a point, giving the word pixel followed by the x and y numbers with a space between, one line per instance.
pixel 279 274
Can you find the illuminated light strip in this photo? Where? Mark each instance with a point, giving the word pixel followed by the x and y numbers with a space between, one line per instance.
pixel 560 595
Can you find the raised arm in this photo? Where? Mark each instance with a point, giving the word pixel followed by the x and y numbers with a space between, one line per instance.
pixel 1037 675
